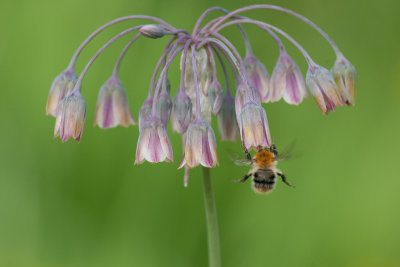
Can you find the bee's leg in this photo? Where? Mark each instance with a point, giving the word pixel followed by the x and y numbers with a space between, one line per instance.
pixel 247 153
pixel 272 148
pixel 284 179
pixel 245 177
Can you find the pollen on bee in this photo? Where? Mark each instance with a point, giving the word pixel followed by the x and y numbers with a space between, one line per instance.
pixel 264 158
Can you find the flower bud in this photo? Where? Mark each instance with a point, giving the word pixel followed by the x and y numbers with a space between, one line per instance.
pixel 258 75
pixel 62 85
pixel 181 112
pixel 112 106
pixel 164 103
pixel 287 81
pixel 254 128
pixel 145 111
pixel 153 31
pixel 200 145
pixel 153 144
pixel 227 123
pixel 322 86
pixel 215 96
pixel 70 117
pixel 345 76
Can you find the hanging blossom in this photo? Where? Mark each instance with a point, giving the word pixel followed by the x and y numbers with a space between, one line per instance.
pixel 200 95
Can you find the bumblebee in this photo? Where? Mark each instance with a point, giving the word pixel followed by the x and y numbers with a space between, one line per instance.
pixel 263 171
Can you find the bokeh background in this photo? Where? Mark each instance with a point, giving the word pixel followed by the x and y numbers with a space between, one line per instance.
pixel 87 204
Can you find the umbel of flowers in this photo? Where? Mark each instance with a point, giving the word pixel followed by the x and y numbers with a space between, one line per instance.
pixel 200 95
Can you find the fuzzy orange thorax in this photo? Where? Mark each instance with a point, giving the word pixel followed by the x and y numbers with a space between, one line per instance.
pixel 264 159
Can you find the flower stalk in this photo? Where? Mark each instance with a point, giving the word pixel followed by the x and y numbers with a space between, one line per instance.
pixel 214 257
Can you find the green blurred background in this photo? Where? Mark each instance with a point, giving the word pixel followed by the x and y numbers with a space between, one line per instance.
pixel 87 204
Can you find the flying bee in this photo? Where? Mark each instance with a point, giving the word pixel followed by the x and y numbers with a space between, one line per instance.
pixel 263 171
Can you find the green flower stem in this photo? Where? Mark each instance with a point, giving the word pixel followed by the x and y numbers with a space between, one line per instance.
pixel 214 257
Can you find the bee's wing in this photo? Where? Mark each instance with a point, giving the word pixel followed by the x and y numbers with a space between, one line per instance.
pixel 239 160
pixel 287 153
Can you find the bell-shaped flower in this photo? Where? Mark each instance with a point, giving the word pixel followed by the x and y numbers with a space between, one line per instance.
pixel 181 112
pixel 345 76
pixel 243 95
pixel 227 123
pixel 62 85
pixel 153 144
pixel 145 111
pixel 287 81
pixel 164 103
pixel 200 145
pixel 71 113
pixel 112 106
pixel 215 96
pixel 258 76
pixel 254 129
pixel 322 86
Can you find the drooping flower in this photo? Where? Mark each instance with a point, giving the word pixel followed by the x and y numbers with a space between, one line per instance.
pixel 70 117
pixel 112 106
pixel 215 95
pixel 181 112
pixel 62 85
pixel 200 146
pixel 254 128
pixel 322 86
pixel 164 106
pixel 258 75
pixel 145 111
pixel 227 123
pixel 345 76
pixel 287 81
pixel 153 144
pixel 243 95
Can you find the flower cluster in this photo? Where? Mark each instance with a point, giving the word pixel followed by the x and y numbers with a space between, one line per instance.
pixel 200 95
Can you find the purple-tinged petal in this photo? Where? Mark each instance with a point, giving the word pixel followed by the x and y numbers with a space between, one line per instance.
pixel 215 95
pixel 287 81
pixel 145 111
pixel 345 76
pixel 227 122
pixel 112 106
pixel 245 94
pixel 62 86
pixel 153 144
pixel 254 127
pixel 323 88
pixel 258 75
pixel 200 146
pixel 71 113
pixel 181 112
